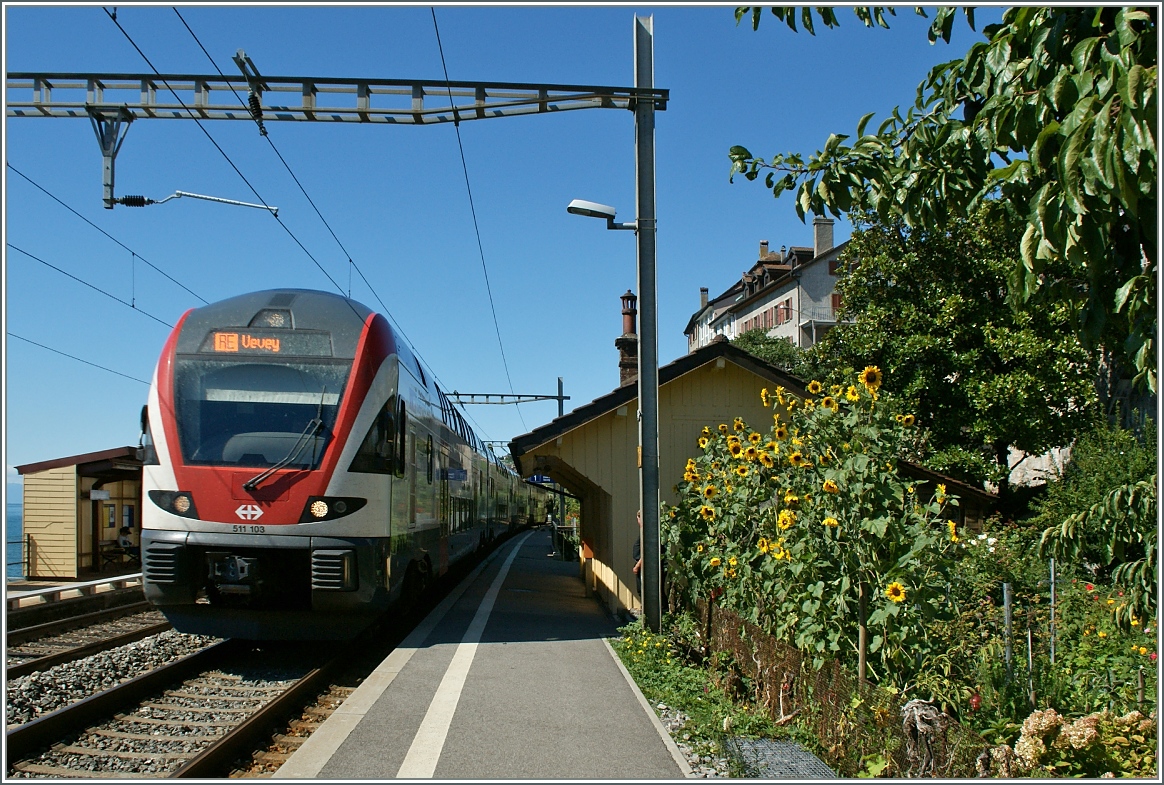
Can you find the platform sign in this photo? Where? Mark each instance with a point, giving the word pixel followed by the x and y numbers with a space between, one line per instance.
pixel 455 475
pixel 541 479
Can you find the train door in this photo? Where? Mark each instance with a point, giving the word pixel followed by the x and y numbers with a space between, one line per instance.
pixel 444 506
pixel 411 474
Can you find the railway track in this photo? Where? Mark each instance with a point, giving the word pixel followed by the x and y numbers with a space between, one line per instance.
pixel 234 709
pixel 191 718
pixel 45 645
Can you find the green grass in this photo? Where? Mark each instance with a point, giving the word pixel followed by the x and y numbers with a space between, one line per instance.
pixel 664 676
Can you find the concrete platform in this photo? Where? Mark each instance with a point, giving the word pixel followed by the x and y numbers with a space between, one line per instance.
pixel 510 677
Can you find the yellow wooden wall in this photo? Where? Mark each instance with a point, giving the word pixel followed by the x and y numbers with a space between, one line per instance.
pixel 605 452
pixel 50 520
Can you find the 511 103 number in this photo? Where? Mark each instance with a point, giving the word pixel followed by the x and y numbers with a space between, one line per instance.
pixel 239 528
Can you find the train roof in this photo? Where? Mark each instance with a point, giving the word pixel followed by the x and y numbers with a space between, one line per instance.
pixel 301 309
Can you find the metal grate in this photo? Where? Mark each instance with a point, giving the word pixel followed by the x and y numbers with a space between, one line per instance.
pixel 777 760
pixel 161 562
pixel 333 570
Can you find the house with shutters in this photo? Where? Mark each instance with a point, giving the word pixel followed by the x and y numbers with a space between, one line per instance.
pixel 790 293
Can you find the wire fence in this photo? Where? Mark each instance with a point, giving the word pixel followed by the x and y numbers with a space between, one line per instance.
pixel 861 728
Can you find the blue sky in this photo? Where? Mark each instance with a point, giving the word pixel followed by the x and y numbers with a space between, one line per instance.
pixel 396 196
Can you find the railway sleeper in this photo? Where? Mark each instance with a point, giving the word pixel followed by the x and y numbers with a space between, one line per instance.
pixel 175 723
pixel 117 734
pixel 96 752
pixel 57 771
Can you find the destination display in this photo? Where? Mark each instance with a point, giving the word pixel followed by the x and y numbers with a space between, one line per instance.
pixel 268 342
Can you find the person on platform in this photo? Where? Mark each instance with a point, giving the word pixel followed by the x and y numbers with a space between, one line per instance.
pixel 125 542
pixel 637 555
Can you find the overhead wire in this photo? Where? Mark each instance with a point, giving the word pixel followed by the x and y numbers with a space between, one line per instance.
pixel 351 262
pixel 78 359
pixel 136 255
pixel 131 306
pixel 218 147
pixel 473 212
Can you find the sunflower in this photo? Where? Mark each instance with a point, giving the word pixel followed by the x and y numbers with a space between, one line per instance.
pixel 814 387
pixel 728 487
pixel 781 432
pixel 742 470
pixel 732 561
pixel 870 377
pixel 835 390
pixel 755 438
pixel 780 395
pixel 708 513
pixel 763 545
pixel 738 424
pixel 790 498
pixel 908 420
pixel 852 394
pixel 705 432
pixel 702 443
pixel 809 404
pixel 691 476
pixel 764 397
pixel 751 453
pixel 796 459
pixel 699 548
pixel 723 428
pixel 778 553
pixel 710 492
pixel 767 460
pixel 715 561
pixel 830 521
pixel 895 591
pixel 829 402
pixel 953 531
pixel 735 449
pixel 792 402
pixel 831 487
pixel 785 519
pixel 941 493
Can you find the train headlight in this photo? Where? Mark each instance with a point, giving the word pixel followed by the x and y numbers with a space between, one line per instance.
pixel 176 502
pixel 327 508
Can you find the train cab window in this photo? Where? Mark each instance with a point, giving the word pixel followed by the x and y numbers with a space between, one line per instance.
pixel 244 412
pixel 377 453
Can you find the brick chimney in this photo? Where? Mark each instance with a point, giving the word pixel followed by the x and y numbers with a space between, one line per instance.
pixel 703 297
pixel 822 236
pixel 628 343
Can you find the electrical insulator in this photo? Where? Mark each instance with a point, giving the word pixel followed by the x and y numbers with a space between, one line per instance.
pixel 134 201
pixel 256 107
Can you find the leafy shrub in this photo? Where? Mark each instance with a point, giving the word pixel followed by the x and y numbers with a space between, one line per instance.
pixel 1102 460
pixel 1091 746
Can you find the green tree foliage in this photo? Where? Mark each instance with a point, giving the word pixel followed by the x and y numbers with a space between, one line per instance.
pixel 777 351
pixel 1055 113
pixel 931 308
pixel 1103 458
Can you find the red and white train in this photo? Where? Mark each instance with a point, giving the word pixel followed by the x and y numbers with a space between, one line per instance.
pixel 303 470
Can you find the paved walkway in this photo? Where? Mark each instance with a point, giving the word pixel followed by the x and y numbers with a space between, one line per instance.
pixel 509 678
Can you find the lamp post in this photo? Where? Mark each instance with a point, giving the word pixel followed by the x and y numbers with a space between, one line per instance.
pixel 648 377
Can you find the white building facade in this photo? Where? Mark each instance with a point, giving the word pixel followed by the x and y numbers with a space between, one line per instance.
pixel 790 293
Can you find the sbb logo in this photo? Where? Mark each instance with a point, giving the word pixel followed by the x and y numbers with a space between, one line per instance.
pixel 249 512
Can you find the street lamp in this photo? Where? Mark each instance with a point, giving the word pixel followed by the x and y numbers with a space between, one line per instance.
pixel 648 380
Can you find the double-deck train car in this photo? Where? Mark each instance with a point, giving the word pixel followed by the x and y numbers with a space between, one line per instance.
pixel 303 470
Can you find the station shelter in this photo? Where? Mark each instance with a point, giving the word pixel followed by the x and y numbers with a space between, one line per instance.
pixel 593 453
pixel 74 508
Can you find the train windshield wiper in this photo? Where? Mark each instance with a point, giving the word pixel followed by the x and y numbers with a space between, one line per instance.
pixel 313 427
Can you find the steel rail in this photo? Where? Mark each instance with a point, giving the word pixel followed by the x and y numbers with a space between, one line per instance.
pixel 246 736
pixel 25 740
pixel 77 652
pixel 25 634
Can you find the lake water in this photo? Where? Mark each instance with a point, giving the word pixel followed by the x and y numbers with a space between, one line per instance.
pixel 13 519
